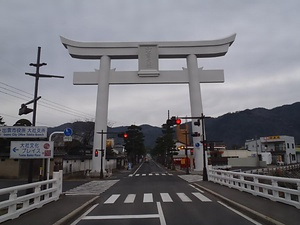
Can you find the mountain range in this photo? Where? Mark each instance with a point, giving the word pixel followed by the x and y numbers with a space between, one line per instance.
pixel 233 129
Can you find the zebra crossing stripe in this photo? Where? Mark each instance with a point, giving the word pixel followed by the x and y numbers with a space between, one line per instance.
pixel 148 197
pixel 112 199
pixel 143 174
pixel 150 174
pixel 183 197
pixel 201 197
pixel 166 197
pixel 130 198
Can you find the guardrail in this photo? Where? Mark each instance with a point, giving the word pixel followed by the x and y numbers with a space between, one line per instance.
pixel 280 189
pixel 18 202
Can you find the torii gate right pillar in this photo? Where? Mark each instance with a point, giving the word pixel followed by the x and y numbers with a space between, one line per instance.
pixel 196 107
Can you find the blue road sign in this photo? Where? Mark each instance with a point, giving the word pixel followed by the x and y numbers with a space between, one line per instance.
pixel 68 131
pixel 197 145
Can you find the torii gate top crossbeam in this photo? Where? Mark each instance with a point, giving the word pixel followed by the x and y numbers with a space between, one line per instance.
pixel 130 50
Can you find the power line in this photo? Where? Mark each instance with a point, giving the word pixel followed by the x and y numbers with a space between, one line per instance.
pixel 53 105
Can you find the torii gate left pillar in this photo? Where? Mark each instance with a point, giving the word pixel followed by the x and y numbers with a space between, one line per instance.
pixel 148 73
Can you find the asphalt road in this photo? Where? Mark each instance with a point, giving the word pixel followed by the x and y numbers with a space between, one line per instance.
pixel 151 195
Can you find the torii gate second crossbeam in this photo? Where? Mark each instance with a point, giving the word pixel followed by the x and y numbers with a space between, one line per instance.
pixel 148 54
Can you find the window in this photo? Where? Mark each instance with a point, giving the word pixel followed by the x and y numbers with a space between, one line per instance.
pixel 287 145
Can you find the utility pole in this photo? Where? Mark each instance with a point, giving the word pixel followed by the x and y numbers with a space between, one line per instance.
pixel 37 75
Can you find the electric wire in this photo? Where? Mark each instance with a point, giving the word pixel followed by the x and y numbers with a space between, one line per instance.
pixel 45 103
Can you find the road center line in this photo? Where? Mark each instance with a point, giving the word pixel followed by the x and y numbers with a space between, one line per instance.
pixel 161 214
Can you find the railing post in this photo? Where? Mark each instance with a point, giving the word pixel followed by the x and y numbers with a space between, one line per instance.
pixel 275 193
pixel 12 208
pixel 37 199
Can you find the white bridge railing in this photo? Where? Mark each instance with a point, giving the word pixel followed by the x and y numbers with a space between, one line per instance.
pixel 280 189
pixel 17 202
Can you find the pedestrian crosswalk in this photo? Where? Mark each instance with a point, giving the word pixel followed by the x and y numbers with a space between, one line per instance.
pixel 162 197
pixel 149 174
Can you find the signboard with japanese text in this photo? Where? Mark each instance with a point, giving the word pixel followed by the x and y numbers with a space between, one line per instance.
pixel 31 149
pixel 23 132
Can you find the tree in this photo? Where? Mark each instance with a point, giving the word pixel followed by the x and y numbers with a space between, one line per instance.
pixel 134 143
pixel 164 145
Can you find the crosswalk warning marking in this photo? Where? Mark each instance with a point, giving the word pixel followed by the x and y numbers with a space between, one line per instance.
pixel 148 197
pixel 112 199
pixel 157 174
pixel 143 174
pixel 130 175
pixel 166 197
pixel 184 197
pixel 137 175
pixel 150 174
pixel 201 197
pixel 130 198
pixel 163 174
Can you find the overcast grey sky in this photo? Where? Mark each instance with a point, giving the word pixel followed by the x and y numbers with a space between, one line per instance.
pixel 262 67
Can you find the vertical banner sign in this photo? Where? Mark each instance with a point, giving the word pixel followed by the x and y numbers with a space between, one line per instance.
pixel 31 149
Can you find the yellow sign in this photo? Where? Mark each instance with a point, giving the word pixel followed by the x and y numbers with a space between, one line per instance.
pixel 272 137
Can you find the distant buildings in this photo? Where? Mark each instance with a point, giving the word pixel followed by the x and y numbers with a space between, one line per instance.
pixel 281 147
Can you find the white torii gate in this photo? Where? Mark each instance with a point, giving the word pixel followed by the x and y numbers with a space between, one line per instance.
pixel 148 54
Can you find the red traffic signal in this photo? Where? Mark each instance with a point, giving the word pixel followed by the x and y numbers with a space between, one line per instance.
pixel 125 135
pixel 178 121
pixel 173 121
pixel 96 152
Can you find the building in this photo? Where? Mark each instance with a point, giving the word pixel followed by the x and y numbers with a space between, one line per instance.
pixel 282 148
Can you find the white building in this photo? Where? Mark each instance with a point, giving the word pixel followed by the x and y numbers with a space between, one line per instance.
pixel 282 148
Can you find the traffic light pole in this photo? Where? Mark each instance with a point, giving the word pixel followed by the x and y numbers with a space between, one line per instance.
pixel 102 153
pixel 205 177
pixel 202 117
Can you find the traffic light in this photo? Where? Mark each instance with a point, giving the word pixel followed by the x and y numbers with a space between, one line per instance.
pixel 197 123
pixel 173 121
pixel 24 110
pixel 96 152
pixel 195 134
pixel 123 135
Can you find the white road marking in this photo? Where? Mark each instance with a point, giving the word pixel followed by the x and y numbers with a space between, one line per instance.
pixel 137 175
pixel 197 188
pixel 241 214
pixel 183 197
pixel 84 214
pixel 130 198
pixel 157 174
pixel 112 199
pixel 143 174
pixel 201 197
pixel 148 197
pixel 160 216
pixel 150 174
pixel 166 197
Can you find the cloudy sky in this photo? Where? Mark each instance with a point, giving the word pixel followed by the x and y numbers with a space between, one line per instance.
pixel 262 67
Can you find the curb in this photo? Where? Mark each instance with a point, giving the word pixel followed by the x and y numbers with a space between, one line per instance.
pixel 250 212
pixel 75 213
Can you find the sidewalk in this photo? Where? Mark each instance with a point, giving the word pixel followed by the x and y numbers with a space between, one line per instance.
pixel 59 212
pixel 258 208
